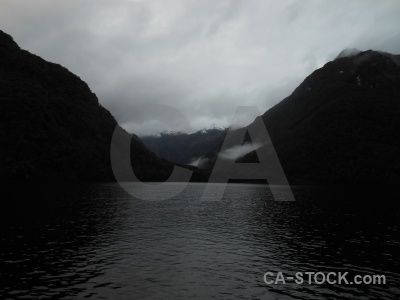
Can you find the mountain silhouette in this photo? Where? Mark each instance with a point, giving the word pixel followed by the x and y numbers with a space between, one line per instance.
pixel 52 127
pixel 341 125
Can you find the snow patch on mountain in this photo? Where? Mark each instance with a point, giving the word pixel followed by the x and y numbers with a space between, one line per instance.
pixel 212 127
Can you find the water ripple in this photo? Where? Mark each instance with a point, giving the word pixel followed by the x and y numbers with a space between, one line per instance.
pixel 97 242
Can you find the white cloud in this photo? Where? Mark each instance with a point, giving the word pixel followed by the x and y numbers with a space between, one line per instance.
pixel 238 151
pixel 198 162
pixel 202 57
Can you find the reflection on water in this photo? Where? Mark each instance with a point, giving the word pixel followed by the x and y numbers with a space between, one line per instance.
pixel 96 241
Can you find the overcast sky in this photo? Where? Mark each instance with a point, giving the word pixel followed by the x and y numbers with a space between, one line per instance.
pixel 201 57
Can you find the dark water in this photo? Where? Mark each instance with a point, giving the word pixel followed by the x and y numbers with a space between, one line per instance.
pixel 96 241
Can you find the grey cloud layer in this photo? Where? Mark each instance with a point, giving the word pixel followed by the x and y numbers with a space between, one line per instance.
pixel 202 57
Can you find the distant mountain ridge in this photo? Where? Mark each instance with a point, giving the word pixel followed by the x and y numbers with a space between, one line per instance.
pixel 52 127
pixel 185 148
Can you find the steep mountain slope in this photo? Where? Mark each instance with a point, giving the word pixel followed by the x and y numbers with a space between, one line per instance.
pixel 342 124
pixel 52 126
pixel 184 148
